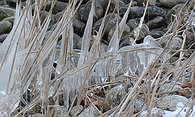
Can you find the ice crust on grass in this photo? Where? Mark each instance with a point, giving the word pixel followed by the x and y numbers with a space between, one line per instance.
pixel 16 55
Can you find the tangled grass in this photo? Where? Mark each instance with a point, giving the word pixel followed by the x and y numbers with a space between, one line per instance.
pixel 28 53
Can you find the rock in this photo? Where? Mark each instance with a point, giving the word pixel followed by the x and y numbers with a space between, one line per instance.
pixel 98 11
pixel 189 38
pixel 155 23
pixel 175 43
pixel 37 115
pixel 170 3
pixel 67 1
pixel 104 46
pixel 76 110
pixel 3 37
pixel 122 10
pixel 90 111
pixel 12 3
pixel 58 7
pixel 9 19
pixel 133 23
pixel 113 97
pixel 6 12
pixel 139 104
pixel 144 31
pixel 2 2
pixel 43 15
pixel 140 2
pixel 170 102
pixel 152 2
pixel 126 32
pixel 121 2
pixel 62 111
pixel 151 13
pixel 57 16
pixel 127 42
pixel 121 5
pixel 143 2
pixel 155 112
pixel 102 3
pixel 110 22
pixel 5 27
pixel 168 87
pixel 83 12
pixel 169 16
pixel 128 1
pixel 79 27
pixel 77 41
pixel 158 32
pixel 173 59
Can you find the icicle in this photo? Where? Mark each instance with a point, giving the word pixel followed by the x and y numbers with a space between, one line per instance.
pixel 136 59
pixel 86 38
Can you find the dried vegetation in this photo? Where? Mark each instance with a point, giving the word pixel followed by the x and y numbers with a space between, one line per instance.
pixel 31 83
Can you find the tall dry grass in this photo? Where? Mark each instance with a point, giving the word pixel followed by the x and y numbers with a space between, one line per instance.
pixel 28 53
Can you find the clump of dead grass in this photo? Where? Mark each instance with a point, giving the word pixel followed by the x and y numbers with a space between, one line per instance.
pixel 27 56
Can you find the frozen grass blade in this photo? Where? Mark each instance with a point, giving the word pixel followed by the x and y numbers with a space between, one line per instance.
pixel 141 22
pixel 114 42
pixel 66 43
pixel 86 38
pixel 11 45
